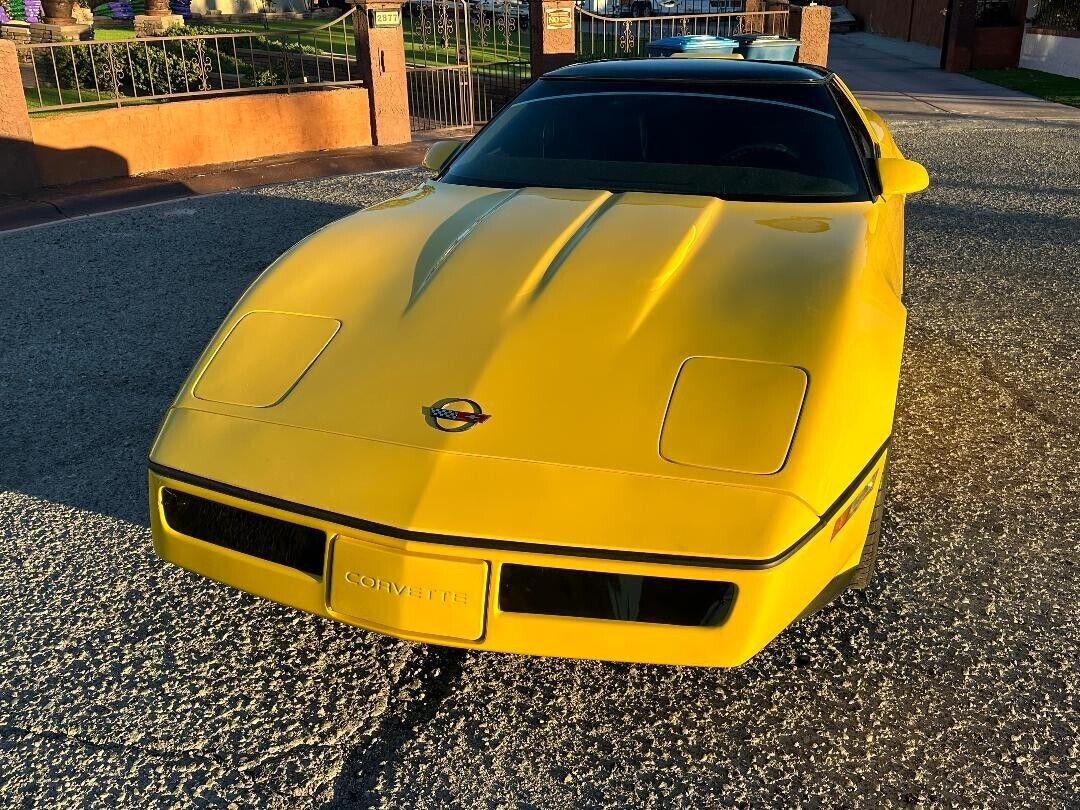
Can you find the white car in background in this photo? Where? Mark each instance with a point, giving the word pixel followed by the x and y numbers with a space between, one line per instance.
pixel 496 8
pixel 514 8
pixel 660 8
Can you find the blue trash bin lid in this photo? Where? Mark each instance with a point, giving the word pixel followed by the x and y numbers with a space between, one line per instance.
pixel 693 42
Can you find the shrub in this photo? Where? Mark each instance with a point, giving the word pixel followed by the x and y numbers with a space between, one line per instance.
pixel 258 41
pixel 155 66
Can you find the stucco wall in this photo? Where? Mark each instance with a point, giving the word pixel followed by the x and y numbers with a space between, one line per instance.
pixel 1054 54
pixel 115 142
pixel 17 170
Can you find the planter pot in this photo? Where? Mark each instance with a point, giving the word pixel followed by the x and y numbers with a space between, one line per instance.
pixel 57 12
pixel 157 8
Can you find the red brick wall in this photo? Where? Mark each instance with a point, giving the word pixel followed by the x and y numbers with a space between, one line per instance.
pixel 997 47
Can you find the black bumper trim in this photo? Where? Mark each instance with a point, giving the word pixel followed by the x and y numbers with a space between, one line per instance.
pixel 523 546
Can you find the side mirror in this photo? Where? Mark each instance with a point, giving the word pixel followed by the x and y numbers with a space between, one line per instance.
pixel 900 176
pixel 438 153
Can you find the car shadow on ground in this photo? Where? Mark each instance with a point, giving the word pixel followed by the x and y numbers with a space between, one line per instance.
pixel 94 344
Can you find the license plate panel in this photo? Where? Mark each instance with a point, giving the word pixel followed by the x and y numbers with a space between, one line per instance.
pixel 409 592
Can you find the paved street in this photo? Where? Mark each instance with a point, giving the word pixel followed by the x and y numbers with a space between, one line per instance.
pixel 953 681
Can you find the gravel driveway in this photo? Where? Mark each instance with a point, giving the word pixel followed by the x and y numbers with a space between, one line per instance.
pixel 953 681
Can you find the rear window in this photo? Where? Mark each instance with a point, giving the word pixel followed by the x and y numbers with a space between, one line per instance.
pixel 734 141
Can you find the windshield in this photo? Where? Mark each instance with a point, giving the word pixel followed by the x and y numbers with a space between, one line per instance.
pixel 738 142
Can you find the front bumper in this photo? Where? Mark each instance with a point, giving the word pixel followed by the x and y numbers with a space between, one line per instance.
pixel 769 595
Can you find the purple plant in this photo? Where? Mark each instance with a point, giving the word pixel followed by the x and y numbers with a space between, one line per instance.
pixel 117 9
pixel 33 11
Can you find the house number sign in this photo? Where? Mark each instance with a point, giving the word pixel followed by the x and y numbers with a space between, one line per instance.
pixel 557 19
pixel 388 19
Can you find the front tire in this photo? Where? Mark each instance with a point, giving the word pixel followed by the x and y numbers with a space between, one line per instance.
pixel 864 572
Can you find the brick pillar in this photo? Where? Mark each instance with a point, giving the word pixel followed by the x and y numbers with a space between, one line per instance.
pixel 959 46
pixel 810 25
pixel 18 170
pixel 552 41
pixel 380 52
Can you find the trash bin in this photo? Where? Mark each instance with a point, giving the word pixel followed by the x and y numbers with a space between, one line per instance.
pixel 768 48
pixel 752 36
pixel 694 44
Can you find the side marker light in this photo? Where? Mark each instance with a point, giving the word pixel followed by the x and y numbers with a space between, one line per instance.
pixel 846 515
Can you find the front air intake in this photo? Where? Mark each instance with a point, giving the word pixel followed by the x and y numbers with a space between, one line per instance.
pixel 622 597
pixel 267 538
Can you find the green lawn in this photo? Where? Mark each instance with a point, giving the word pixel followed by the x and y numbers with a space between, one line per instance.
pixel 113 34
pixel 51 96
pixel 493 49
pixel 334 39
pixel 338 39
pixel 415 51
pixel 1062 89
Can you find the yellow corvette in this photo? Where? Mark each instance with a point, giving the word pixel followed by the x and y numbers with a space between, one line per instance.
pixel 617 383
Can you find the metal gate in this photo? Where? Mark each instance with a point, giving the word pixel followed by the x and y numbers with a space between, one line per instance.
pixel 499 34
pixel 600 37
pixel 437 64
pixel 466 59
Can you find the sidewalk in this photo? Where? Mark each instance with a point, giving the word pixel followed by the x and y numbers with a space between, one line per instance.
pixel 52 204
pixel 895 77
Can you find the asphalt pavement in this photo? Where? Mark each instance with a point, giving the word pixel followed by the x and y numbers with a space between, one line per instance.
pixel 125 682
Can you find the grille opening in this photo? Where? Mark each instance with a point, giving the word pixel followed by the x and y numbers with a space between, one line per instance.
pixel 267 538
pixel 623 597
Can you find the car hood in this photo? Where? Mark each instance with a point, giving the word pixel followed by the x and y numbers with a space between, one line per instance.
pixel 567 316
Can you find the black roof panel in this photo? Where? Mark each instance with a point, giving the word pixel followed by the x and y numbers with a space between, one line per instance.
pixel 698 70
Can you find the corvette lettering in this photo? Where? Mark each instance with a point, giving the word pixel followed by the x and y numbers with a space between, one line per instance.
pixel 400 589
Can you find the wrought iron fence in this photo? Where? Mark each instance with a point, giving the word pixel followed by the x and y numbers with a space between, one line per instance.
pixel 1056 15
pixel 600 37
pixel 436 36
pixel 654 8
pixel 995 12
pixel 465 59
pixel 439 97
pixel 499 33
pixel 71 75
